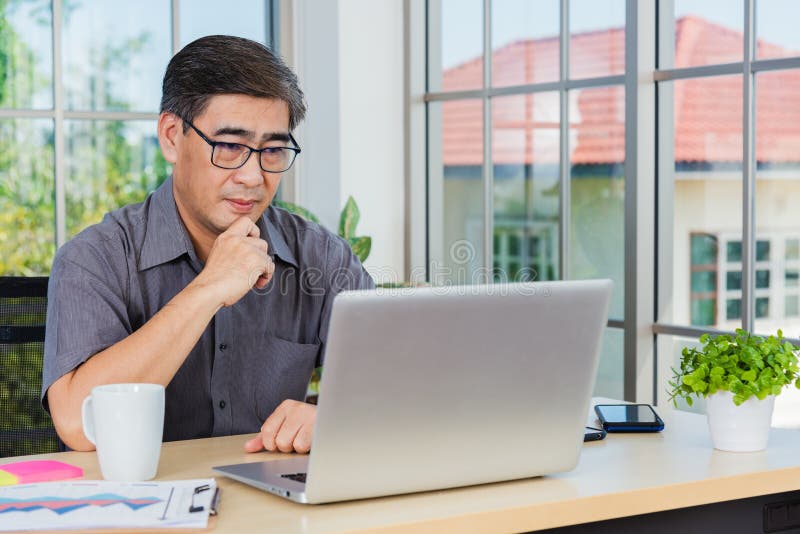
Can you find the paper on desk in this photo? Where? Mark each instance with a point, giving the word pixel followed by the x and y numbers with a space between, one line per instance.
pixel 89 504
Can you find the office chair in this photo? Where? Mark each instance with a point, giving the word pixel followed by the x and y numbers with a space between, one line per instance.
pixel 25 427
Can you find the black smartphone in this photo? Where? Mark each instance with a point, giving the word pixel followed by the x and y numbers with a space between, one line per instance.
pixel 593 434
pixel 629 418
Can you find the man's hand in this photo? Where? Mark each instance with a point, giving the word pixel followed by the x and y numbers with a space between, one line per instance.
pixel 238 261
pixel 288 429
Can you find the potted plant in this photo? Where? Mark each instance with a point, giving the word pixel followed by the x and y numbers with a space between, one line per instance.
pixel 739 376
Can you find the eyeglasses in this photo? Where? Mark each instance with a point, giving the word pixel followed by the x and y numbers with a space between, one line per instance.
pixel 275 159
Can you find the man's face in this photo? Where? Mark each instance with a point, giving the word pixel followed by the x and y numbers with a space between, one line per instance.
pixel 210 198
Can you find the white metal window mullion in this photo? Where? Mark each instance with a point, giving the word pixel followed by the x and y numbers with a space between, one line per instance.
pixel 488 167
pixel 748 172
pixel 563 134
pixel 59 164
pixel 176 26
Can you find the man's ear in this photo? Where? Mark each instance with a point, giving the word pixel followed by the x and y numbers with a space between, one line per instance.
pixel 170 134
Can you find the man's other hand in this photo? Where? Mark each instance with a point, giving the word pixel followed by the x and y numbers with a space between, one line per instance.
pixel 288 429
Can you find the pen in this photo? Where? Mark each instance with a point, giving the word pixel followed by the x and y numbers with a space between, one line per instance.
pixel 215 502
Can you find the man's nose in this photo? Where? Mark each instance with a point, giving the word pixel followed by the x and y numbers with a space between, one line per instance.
pixel 250 174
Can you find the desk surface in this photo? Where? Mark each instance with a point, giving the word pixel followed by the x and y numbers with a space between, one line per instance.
pixel 626 474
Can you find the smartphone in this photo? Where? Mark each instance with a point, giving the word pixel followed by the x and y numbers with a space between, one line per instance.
pixel 593 434
pixel 629 418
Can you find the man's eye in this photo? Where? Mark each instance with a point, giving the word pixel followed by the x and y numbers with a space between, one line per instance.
pixel 273 150
pixel 231 147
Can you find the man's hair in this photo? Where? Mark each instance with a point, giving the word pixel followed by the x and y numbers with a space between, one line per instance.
pixel 223 64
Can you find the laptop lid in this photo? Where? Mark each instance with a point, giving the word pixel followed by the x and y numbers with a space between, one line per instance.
pixel 438 387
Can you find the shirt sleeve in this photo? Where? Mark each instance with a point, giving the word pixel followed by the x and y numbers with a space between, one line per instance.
pixel 344 272
pixel 86 310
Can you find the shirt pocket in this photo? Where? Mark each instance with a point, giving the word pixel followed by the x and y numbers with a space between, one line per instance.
pixel 283 372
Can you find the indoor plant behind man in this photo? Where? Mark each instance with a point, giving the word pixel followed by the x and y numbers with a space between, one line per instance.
pixel 204 287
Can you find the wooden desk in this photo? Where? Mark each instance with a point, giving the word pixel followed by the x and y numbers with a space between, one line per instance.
pixel 623 475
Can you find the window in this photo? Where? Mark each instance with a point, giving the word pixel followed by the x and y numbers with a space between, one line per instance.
pixel 79 99
pixel 730 166
pixel 526 146
pixel 534 145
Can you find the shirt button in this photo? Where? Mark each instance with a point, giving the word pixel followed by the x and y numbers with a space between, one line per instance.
pixel 222 405
pixel 223 346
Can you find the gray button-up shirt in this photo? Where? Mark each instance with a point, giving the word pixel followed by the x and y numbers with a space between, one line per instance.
pixel 113 277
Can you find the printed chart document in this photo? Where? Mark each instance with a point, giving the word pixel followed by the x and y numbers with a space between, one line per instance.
pixel 100 504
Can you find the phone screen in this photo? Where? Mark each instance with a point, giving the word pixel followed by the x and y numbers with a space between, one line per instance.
pixel 628 414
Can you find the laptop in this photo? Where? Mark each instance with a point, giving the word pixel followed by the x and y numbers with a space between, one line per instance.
pixel 440 387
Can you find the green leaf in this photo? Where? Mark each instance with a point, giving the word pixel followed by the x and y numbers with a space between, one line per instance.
pixel 361 247
pixel 717 371
pixel 349 219
pixel 297 210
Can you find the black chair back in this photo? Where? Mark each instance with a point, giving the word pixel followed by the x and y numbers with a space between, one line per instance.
pixel 25 427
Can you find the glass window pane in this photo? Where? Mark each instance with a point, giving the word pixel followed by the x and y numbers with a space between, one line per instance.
pixel 792 277
pixel 109 164
pixel 455 45
pixel 734 308
pixel 26 55
pixel 456 192
pixel 793 249
pixel 762 279
pixel 704 312
pixel 525 146
pixel 704 249
pixel 762 307
pixel 708 32
pixel 115 54
pixel 27 197
pixel 762 250
pixel 610 374
pixel 704 281
pixel 525 42
pixel 597 188
pixel 777 141
pixel 733 280
pixel 792 306
pixel 707 176
pixel 242 18
pixel 597 38
pixel 776 28
pixel 734 251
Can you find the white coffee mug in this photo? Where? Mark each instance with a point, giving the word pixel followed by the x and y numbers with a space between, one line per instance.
pixel 125 422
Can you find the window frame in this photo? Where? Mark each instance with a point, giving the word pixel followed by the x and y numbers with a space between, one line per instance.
pixel 649 200
pixel 59 114
pixel 639 291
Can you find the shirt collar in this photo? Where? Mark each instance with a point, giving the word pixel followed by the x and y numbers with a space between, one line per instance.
pixel 166 237
pixel 272 232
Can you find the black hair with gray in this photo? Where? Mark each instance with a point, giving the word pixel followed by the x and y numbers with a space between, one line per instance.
pixel 223 64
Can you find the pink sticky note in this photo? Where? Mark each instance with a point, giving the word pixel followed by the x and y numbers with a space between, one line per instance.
pixel 41 471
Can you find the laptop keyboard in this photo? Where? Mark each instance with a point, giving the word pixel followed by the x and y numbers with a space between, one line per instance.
pixel 299 477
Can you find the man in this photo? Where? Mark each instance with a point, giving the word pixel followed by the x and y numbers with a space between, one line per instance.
pixel 204 287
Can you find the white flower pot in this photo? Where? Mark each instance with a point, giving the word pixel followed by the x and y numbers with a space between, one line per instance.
pixel 743 428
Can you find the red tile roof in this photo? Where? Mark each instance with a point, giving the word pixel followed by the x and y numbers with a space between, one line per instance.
pixel 708 111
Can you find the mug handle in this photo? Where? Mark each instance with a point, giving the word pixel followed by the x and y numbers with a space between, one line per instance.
pixel 88 419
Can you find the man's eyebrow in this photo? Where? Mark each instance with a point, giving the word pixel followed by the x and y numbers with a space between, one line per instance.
pixel 275 136
pixel 234 130
pixel 250 135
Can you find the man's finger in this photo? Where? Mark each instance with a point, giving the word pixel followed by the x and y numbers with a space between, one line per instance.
pixel 254 230
pixel 242 226
pixel 271 428
pixel 254 445
pixel 302 441
pixel 287 434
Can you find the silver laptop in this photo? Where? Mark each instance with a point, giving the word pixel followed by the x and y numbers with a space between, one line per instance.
pixel 432 388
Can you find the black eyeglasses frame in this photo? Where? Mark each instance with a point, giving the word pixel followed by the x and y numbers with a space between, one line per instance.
pixel 295 149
